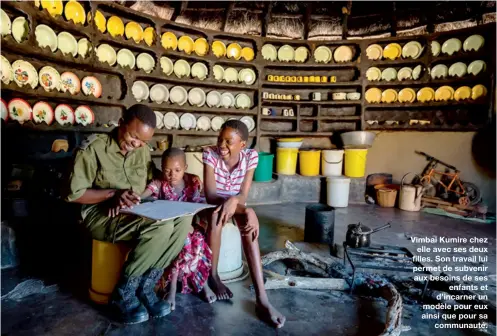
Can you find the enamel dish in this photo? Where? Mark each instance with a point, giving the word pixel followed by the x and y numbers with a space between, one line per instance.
pixel 105 53
pixel 407 95
pixel 374 52
pixel 149 36
pixel 201 46
pixel 91 86
pixel 392 51
pixel 389 96
pixel 42 112
pixel 458 69
pixel 426 94
pixel 199 70
pixel 46 37
pixel 227 100
pixel 145 62
pixel 188 121
pixel 75 12
pixel 140 91
pixel 439 71
pixel 474 42
pixel 203 124
pixel 462 93
pixel 4 110
pixel 412 49
pixel 181 68
pixel 234 50
pixel 6 70
pixel 322 54
pixel 248 54
pixel 49 78
pixel 186 44
pixel 404 74
pixel 231 75
pixel 169 41
pixel 67 43
pixel 64 114
pixel 84 115
pixel 53 7
pixel 416 73
pixel 373 74
pixel 115 26
pixel 25 74
pixel 20 29
pixel 478 91
pixel 196 97
pixel 301 54
pixel 159 93
pixel 389 74
pixel 213 99
pixel 218 73
pixel 100 21
pixel 171 120
pixel 343 54
pixel 20 110
pixel 159 120
pixel 133 31
pixel 167 65
pixel 217 123
pixel 6 24
pixel 243 101
pixel 286 53
pixel 269 52
pixel 249 121
pixel 69 82
pixel 476 67
pixel 178 95
pixel 444 93
pixel 125 58
pixel 373 95
pixel 218 49
pixel 451 46
pixel 247 76
pixel 435 48
pixel 84 47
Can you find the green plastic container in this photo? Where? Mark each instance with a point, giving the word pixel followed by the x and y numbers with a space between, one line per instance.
pixel 264 170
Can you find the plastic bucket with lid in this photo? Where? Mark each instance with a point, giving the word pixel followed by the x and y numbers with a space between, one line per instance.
pixel 309 162
pixel 286 160
pixel 355 162
pixel 332 162
pixel 264 170
pixel 338 191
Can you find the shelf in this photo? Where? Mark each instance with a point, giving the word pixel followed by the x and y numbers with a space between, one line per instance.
pixel 333 118
pixel 204 109
pixel 273 133
pixel 192 132
pixel 419 128
pixel 313 102
pixel 195 82
pixel 429 81
pixel 313 85
pixel 389 62
pixel 210 58
pixel 311 65
pixel 58 128
pixel 428 104
pixel 278 118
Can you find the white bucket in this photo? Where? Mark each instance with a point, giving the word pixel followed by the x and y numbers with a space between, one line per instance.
pixel 331 162
pixel 230 255
pixel 195 164
pixel 338 191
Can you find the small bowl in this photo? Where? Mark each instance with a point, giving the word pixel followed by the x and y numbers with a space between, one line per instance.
pixel 353 96
pixel 339 96
pixel 140 91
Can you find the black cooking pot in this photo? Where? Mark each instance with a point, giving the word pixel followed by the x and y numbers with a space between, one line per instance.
pixel 359 235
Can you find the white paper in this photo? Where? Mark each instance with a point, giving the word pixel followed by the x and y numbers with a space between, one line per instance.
pixel 165 210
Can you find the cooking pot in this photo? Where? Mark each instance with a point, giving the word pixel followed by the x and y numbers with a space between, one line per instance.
pixel 359 235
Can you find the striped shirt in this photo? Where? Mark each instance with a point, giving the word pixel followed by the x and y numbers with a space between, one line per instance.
pixel 229 184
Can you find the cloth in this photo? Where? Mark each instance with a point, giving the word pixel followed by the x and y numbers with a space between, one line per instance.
pixel 191 192
pixel 229 184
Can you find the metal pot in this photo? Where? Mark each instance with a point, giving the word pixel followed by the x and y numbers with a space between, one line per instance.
pixel 359 235
pixel 358 139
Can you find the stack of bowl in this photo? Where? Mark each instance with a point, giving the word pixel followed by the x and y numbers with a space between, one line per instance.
pixel 356 145
pixel 286 155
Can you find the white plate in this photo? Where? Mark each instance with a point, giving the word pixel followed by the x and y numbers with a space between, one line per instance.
pixel 159 93
pixel 416 73
pixel 227 100
pixel 439 71
pixel 20 29
pixel 25 74
pixel 167 65
pixel 218 73
pixel 217 123
pixel 435 48
pixel 159 120
pixel 67 43
pixel 476 67
pixel 125 58
pixel 45 36
pixel 84 47
pixel 373 74
pixel 5 22
pixel 404 74
pixel 178 95
pixel 286 53
pixel 6 70
pixel 473 42
pixel 231 75
pixel 458 69
pixel 269 52
pixel 200 71
pixel 249 121
pixel 247 76
pixel 105 53
pixel 412 49
pixel 188 121
pixel 140 91
pixel 301 54
pixel 243 101
pixel 171 120
pixel 49 78
pixel 322 54
pixel 213 99
pixel 451 46
pixel 196 97
pixel 203 123
pixel 343 54
pixel 145 62
pixel 181 68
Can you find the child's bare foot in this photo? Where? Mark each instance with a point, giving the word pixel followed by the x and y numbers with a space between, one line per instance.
pixel 207 294
pixel 171 299
pixel 220 290
pixel 267 313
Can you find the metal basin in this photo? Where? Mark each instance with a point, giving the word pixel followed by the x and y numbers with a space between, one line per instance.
pixel 358 139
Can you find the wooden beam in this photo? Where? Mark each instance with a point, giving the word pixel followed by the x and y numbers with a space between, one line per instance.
pixel 346 12
pixel 307 20
pixel 228 12
pixel 177 12
pixel 266 19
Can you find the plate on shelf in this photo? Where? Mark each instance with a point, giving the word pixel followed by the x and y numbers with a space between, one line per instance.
pixel 106 54
pixel 426 94
pixel 234 50
pixel 416 73
pixel 159 120
pixel 84 47
pixel 230 75
pixel 199 70
pixel 458 69
pixel 322 54
pixel 133 31
pixel 435 48
pixel 474 42
pixel 84 115
pixel 389 96
pixel 49 78
pixel 343 54
pixel 186 44
pixel 91 86
pixel 53 7
pixel 247 76
pixel 201 46
pixel 249 121
pixel 218 73
pixel 373 74
pixel 227 100
pixel 286 53
pixel 476 67
pixel 42 112
pixel 46 37
pixel 25 74
pixel 6 70
pixel 100 21
pixel 4 111
pixel 159 93
pixel 392 51
pixel 374 52
pixel 187 121
pixel 64 114
pixel 203 124
pixel 451 46
pixel 213 99
pixel 67 43
pixel 140 91
pixel 167 65
pixel 6 23
pixel 149 36
pixel 19 110
pixel 75 12
pixel 171 120
pixel 407 95
pixel 439 71
pixel 178 95
pixel 462 93
pixel 169 41
pixel 20 29
pixel 301 54
pixel 373 95
pixel 389 74
pixel 444 93
pixel 404 74
pixel 412 49
pixel 125 58
pixel 69 82
pixel 196 97
pixel 478 91
pixel 145 62
pixel 115 26
pixel 248 54
pixel 217 123
pixel 181 68
pixel 218 49
pixel 269 52
pixel 242 101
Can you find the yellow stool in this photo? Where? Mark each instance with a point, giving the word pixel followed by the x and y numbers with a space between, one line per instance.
pixel 107 263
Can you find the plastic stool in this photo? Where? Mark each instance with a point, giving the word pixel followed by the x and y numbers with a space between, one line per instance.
pixel 230 255
pixel 107 263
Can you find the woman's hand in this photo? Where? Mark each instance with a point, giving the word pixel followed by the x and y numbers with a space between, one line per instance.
pixel 122 199
pixel 226 210
pixel 251 225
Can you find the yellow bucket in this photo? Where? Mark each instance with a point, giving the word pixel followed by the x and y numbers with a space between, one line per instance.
pixel 286 160
pixel 355 162
pixel 309 162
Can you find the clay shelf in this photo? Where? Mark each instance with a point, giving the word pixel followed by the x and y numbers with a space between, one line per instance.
pixel 428 104
pixel 470 56
pixel 211 58
pixel 203 109
pixel 310 65
pixel 305 85
pixel 444 81
pixel 398 61
pixel 105 38
pixel 196 82
pixel 278 118
pixel 293 133
pixel 56 127
pixel 407 127
pixel 332 118
pixel 192 132
pixel 313 102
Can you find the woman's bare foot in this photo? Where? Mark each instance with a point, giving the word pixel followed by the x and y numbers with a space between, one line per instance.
pixel 220 290
pixel 267 313
pixel 207 294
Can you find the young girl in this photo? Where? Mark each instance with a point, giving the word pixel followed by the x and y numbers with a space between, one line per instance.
pixel 228 173
pixel 193 264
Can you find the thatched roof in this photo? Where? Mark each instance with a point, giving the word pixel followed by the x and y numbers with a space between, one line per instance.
pixel 322 20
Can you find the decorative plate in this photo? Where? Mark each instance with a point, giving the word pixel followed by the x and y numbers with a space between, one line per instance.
pixel 218 49
pixel 373 95
pixel 125 58
pixel 444 93
pixel 181 68
pixel 178 95
pixel 46 37
pixel 435 48
pixel 133 31
pixel 171 120
pixel 269 52
pixel 84 47
pixel 20 110
pixel 234 50
pixel 140 91
pixel 186 44
pixel 4 111
pixel 243 101
pixel 69 82
pixel 115 26
pixel 439 71
pixel 404 74
pixel 451 46
pixel 84 115
pixel 159 93
pixel 374 52
pixel 249 121
pixel 322 54
pixel 145 62
pixel 416 73
pixel 201 46
pixel 53 7
pixel 458 69
pixel 20 29
pixel 389 74
pixel 196 97
pixel 67 43
pixel 218 73
pixel 91 86
pixel 476 67
pixel 343 54
pixel 199 70
pixel 167 65
pixel 75 12
pixel 373 74
pixel 6 71
pixel 188 121
pixel 64 114
pixel 389 96
pixel 248 54
pixel 407 95
pixel 227 100
pixel 217 123
pixel 474 42
pixel 100 21
pixel 159 120
pixel 25 74
pixel 105 53
pixel 231 75
pixel 426 94
pixel 247 76
pixel 42 112
pixel 412 49
pixel 392 51
pixel 149 36
pixel 203 123
pixel 213 99
pixel 301 54
pixel 286 53
pixel 478 91
pixel 6 24
pixel 462 93
pixel 169 41
pixel 49 78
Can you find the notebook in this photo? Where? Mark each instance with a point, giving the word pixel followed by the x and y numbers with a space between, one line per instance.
pixel 165 210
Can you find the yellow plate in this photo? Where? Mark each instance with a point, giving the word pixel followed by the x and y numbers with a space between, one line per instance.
pixel 478 91
pixel 149 36
pixel 134 31
pixel 201 46
pixel 464 92
pixel 444 93
pixel 392 51
pixel 186 44
pixel 373 95
pixel 426 94
pixel 115 26
pixel 218 49
pixel 234 51
pixel 169 41
pixel 75 12
pixel 389 96
pixel 248 54
pixel 407 95
pixel 53 7
pixel 100 21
